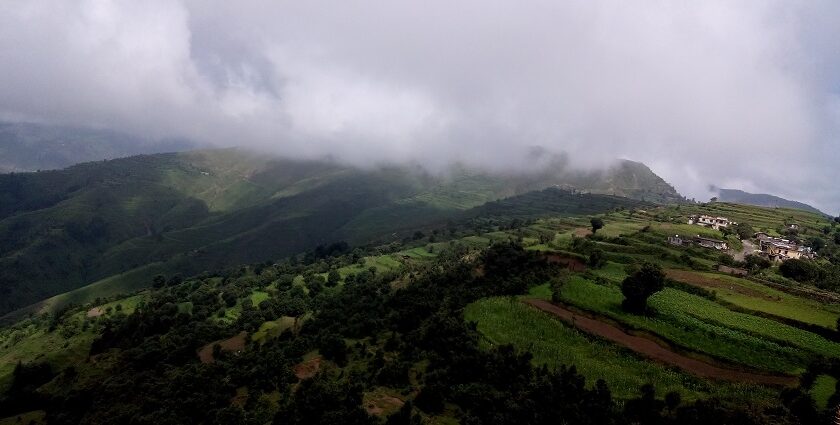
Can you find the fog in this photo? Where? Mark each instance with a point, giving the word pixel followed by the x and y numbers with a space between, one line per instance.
pixel 741 95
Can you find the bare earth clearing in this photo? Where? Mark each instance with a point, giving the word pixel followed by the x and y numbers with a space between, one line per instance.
pixel 95 312
pixel 572 264
pixel 655 351
pixel 582 232
pixel 378 405
pixel 308 368
pixel 234 344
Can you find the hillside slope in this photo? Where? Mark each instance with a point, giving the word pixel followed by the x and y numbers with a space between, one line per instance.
pixel 130 218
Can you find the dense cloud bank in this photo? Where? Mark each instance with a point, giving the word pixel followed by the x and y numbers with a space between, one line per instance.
pixel 738 94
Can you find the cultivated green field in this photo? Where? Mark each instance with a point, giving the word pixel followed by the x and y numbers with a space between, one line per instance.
pixel 702 325
pixel 758 297
pixel 508 321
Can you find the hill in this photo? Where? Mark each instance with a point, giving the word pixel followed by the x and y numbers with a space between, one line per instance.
pixel 762 200
pixel 477 322
pixel 120 221
pixel 30 147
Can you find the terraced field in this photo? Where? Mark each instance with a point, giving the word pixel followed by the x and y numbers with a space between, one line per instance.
pixel 755 296
pixel 698 324
pixel 508 321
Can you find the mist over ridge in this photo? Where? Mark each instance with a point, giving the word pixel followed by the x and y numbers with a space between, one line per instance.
pixel 736 95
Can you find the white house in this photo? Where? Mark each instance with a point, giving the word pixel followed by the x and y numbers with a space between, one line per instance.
pixel 708 221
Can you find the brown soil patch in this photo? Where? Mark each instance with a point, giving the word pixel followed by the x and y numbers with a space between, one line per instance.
pixel 95 312
pixel 582 232
pixel 382 404
pixel 571 263
pixel 307 369
pixel 696 279
pixel 651 349
pixel 233 344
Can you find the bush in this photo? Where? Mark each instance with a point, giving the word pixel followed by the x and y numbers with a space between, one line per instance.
pixel 639 286
pixel 800 270
pixel 596 259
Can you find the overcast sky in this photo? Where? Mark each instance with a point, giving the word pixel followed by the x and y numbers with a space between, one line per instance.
pixel 739 94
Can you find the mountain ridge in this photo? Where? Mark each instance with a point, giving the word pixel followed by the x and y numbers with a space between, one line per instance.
pixel 192 211
pixel 762 200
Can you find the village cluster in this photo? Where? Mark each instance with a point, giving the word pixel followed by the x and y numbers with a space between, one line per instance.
pixel 772 248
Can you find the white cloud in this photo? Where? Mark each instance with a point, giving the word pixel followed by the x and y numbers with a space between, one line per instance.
pixel 715 92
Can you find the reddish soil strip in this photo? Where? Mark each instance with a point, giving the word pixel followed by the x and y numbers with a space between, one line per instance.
pixel 234 343
pixel 571 263
pixel 384 403
pixel 693 278
pixel 582 232
pixel 657 352
pixel 95 312
pixel 307 369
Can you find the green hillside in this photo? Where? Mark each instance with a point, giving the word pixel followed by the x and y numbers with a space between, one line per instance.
pixel 434 324
pixel 115 221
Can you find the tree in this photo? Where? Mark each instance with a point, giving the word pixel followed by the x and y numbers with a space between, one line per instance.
pixel 159 281
pixel 800 270
pixel 744 231
pixel 639 286
pixel 333 278
pixel 597 223
pixel 817 243
pixel 557 283
pixel 596 259
pixel 756 263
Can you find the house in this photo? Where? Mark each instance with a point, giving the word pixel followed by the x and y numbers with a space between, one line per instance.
pixel 761 236
pixel 711 243
pixel 676 240
pixel 778 249
pixel 708 221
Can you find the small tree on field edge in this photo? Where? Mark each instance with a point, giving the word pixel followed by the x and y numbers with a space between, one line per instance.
pixel 639 286
pixel 597 223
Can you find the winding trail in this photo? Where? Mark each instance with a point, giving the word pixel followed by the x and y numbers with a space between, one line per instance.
pixel 651 349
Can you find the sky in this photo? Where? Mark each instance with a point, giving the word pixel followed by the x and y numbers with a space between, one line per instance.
pixel 741 95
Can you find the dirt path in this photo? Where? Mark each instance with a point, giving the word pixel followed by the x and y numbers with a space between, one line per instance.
pixel 748 248
pixel 657 352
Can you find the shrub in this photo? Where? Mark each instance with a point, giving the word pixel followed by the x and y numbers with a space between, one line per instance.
pixel 639 286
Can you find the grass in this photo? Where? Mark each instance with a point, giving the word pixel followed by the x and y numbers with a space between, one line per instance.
pixel 769 300
pixel 34 343
pixel 705 326
pixel 259 296
pixel 823 389
pixel 611 271
pixel 272 329
pixel 508 321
